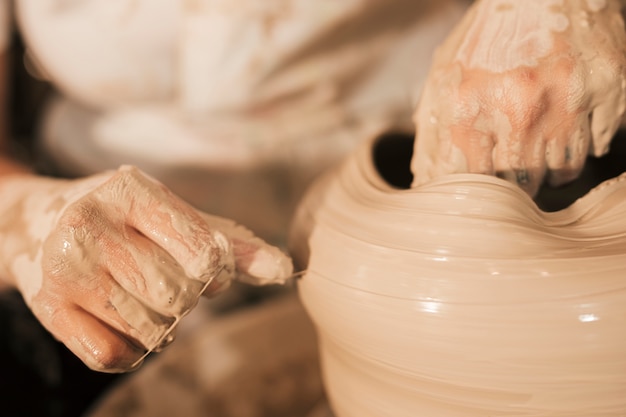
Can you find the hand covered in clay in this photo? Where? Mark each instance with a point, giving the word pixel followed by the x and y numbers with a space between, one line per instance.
pixel 110 263
pixel 523 90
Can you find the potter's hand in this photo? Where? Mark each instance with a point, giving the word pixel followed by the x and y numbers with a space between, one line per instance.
pixel 523 90
pixel 109 263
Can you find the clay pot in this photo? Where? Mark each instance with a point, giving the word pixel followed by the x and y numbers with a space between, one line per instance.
pixel 461 297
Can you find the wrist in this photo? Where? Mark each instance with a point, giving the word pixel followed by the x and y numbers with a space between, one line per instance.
pixel 26 203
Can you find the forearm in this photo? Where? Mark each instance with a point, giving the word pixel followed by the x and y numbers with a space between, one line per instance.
pixel 13 191
pixel 8 168
pixel 593 5
pixel 11 172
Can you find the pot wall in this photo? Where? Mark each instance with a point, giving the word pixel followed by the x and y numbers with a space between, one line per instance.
pixel 462 298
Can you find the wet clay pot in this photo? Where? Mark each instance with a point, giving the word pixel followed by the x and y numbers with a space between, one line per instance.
pixel 461 297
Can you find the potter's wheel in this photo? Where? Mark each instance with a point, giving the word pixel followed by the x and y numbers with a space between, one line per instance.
pixel 257 362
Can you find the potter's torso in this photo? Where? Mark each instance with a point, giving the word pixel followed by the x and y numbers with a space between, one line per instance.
pixel 229 86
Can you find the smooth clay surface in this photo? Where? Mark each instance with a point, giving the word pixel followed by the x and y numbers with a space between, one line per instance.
pixel 461 298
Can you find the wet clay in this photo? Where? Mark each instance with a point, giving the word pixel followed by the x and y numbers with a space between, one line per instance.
pixel 523 90
pixel 460 298
pixel 109 264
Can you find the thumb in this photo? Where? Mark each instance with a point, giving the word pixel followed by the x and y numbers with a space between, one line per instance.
pixel 256 262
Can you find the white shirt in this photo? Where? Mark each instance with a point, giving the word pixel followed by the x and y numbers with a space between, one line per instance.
pixel 244 100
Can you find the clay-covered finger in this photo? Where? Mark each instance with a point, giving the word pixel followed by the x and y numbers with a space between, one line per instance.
pixel 566 154
pixel 521 160
pixel 116 274
pixel 256 261
pixel 168 221
pixel 431 154
pixel 604 123
pixel 128 316
pixel 99 346
pixel 149 273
